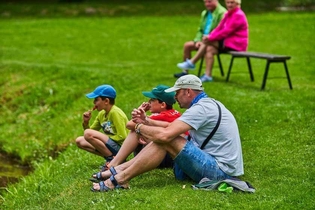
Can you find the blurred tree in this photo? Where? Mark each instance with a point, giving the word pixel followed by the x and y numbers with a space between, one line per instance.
pixel 299 3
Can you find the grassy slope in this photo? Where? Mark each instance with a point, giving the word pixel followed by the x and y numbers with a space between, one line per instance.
pixel 48 65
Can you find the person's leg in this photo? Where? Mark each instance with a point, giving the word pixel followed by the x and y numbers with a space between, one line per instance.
pixel 83 144
pixel 188 48
pixel 210 53
pixel 129 145
pixel 123 166
pixel 200 53
pixel 190 63
pixel 149 158
pixel 209 58
pixel 98 141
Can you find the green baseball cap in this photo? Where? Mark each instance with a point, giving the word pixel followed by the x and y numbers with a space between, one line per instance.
pixel 159 93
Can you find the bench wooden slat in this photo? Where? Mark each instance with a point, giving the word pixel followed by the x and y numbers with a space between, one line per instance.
pixel 259 55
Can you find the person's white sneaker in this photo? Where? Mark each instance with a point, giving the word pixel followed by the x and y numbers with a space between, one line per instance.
pixel 206 78
pixel 186 65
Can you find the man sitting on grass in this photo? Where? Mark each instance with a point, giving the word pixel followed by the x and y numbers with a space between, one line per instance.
pixel 221 157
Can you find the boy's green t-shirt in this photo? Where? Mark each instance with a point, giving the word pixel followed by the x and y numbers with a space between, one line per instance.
pixel 113 125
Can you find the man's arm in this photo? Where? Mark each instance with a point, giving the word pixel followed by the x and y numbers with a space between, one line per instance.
pixel 157 123
pixel 131 125
pixel 162 134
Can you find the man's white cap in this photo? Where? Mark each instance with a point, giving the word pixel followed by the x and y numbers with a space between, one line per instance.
pixel 188 81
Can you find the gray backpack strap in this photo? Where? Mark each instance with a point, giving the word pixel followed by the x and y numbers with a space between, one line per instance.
pixel 214 129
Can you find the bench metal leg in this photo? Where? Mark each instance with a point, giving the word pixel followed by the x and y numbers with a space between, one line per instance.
pixel 220 65
pixel 230 68
pixel 265 75
pixel 200 66
pixel 250 69
pixel 287 72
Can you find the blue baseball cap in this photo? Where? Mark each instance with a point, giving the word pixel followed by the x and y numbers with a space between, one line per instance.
pixel 159 93
pixel 103 90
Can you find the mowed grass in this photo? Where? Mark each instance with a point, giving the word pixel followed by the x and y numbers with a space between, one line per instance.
pixel 47 65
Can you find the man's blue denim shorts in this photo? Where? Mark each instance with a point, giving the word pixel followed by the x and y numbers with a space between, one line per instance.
pixel 197 164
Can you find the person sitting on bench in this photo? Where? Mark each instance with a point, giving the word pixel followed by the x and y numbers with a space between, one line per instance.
pixel 230 35
pixel 210 18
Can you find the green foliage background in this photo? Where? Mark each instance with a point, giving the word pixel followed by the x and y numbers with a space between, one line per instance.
pixel 112 8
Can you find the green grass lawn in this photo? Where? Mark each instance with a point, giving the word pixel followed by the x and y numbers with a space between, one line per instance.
pixel 48 64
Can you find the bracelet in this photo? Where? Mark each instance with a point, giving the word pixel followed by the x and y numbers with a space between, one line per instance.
pixel 137 125
pixel 137 128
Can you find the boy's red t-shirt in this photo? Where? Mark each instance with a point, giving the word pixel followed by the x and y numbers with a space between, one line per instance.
pixel 168 116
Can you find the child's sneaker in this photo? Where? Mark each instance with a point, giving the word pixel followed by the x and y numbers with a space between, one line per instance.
pixel 105 166
pixel 206 78
pixel 178 75
pixel 186 65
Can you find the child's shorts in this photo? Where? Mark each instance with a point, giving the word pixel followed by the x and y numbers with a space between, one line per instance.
pixel 112 146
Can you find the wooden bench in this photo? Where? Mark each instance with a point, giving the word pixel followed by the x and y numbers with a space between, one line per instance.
pixel 270 59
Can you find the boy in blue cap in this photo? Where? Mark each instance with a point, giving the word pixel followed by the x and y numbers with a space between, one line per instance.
pixel 111 119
